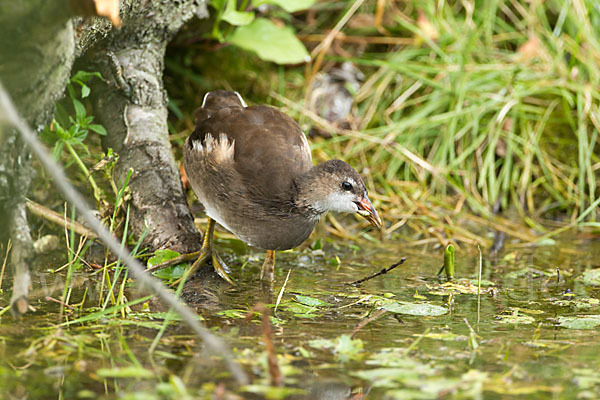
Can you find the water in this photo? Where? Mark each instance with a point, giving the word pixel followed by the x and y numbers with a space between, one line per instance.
pixel 333 340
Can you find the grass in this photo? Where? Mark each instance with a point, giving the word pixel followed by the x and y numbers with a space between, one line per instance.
pixel 493 108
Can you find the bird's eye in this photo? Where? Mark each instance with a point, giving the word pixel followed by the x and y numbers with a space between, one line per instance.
pixel 347 186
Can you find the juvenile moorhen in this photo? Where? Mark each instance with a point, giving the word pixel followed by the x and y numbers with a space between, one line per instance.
pixel 252 170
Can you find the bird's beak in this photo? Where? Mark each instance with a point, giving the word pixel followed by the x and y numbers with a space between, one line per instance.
pixel 366 210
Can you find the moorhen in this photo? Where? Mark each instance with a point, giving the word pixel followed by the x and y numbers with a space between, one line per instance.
pixel 252 170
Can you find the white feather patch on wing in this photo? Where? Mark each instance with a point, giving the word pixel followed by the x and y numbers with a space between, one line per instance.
pixel 221 149
pixel 197 145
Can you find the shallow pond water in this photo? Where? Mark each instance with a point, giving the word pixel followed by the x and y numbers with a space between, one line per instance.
pixel 530 333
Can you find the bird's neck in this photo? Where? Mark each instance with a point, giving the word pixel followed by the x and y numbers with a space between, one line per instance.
pixel 308 192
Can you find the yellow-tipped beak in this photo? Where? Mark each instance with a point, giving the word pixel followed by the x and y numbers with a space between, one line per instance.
pixel 366 210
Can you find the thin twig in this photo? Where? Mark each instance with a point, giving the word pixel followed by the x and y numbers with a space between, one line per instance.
pixel 364 322
pixel 9 113
pixel 383 271
pixel 62 303
pixel 54 217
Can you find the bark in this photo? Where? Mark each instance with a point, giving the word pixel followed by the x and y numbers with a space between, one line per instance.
pixel 38 45
pixel 133 109
pixel 36 54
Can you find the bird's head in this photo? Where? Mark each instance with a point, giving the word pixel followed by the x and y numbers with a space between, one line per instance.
pixel 336 186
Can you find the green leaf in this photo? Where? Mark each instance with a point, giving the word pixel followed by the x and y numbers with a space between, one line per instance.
pixel 170 273
pixel 311 301
pixel 85 91
pixel 77 135
pixel 591 277
pixel 218 4
pixel 71 91
pixel 580 322
pixel 515 318
pixel 57 150
pixel 61 132
pixel 344 347
pixel 79 109
pixel 270 42
pixel 421 309
pixel 234 17
pixel 99 129
pixel 449 261
pixel 83 76
pixel 161 256
pixel 288 5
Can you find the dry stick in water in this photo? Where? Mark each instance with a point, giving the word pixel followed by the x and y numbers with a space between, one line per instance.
pixel 53 216
pixel 9 114
pixel 383 271
pixel 274 371
pixel 364 322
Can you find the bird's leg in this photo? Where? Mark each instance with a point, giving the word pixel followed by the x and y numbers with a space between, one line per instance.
pixel 268 268
pixel 205 252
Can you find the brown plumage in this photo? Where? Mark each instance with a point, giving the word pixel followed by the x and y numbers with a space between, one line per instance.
pixel 252 169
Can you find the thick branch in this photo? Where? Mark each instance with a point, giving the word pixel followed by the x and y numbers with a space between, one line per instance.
pixel 133 108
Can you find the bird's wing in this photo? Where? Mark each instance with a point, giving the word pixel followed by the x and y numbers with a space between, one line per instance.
pixel 270 149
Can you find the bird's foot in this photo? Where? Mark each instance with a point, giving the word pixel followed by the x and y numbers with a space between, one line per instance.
pixel 221 268
pixel 217 262
pixel 203 256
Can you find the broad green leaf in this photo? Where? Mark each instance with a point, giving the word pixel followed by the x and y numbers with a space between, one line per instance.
pixel 83 76
pixel 515 318
pixel 585 302
pixel 347 349
pixel 79 109
pixel 288 5
pixel 169 273
pixel 172 272
pixel 162 255
pixel 270 42
pixel 300 310
pixel 99 129
pixel 422 309
pixel 235 17
pixel 311 301
pixel 591 277
pixel 85 91
pixel 580 322
pixel 344 347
